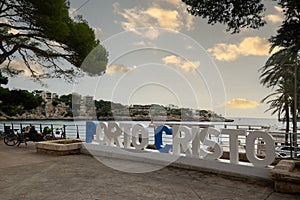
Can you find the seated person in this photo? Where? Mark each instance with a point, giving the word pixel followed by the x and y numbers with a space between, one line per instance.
pixel 26 132
pixel 34 135
pixel 47 131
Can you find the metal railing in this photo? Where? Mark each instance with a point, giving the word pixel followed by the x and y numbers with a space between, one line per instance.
pixel 79 131
pixel 64 130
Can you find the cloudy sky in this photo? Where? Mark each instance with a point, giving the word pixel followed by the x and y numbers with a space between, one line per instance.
pixel 158 53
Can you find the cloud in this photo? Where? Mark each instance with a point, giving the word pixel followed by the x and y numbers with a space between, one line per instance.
pixel 174 2
pixel 72 12
pixel 225 52
pixel 13 31
pixel 250 46
pixel 98 32
pixel 181 63
pixel 189 22
pixel 10 30
pixel 172 60
pixel 278 9
pixel 151 33
pixel 4 20
pixel 116 68
pixel 240 103
pixel 276 18
pixel 165 18
pixel 144 43
pixel 20 66
pixel 174 17
pixel 189 47
pixel 140 43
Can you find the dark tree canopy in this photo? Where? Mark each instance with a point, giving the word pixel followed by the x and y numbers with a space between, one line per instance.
pixel 279 70
pixel 3 79
pixel 17 101
pixel 40 32
pixel 288 35
pixel 236 14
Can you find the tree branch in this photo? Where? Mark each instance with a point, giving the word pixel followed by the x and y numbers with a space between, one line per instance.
pixel 33 73
pixel 19 27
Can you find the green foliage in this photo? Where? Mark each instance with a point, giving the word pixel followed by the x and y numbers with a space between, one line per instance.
pixel 55 103
pixel 175 112
pixel 236 14
pixel 279 66
pixel 3 79
pixel 69 114
pixel 46 35
pixel 81 40
pixel 16 101
pixel 203 112
pixel 278 72
pixel 103 108
pixel 52 17
pixel 67 99
pixel 288 35
pixel 96 61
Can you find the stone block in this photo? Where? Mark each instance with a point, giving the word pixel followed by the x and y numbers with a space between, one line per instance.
pixel 286 176
pixel 59 147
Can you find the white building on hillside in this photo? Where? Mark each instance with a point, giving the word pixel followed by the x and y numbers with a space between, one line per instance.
pixel 46 96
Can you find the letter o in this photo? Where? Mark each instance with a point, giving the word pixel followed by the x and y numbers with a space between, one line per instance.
pixel 250 149
pixel 101 130
pixel 140 129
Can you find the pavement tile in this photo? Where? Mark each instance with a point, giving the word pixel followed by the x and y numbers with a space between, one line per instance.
pixel 29 175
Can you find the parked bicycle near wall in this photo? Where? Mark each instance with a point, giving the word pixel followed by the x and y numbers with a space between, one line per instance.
pixel 14 137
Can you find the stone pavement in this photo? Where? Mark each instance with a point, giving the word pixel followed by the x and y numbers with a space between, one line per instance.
pixel 28 175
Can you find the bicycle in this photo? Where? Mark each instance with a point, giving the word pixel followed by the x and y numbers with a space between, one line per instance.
pixel 13 137
pixel 16 137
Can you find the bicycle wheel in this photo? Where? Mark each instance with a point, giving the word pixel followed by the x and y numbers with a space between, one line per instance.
pixel 10 139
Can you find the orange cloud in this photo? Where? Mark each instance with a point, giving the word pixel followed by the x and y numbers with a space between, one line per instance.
pixel 112 69
pixel 181 63
pixel 274 18
pixel 174 17
pixel 249 46
pixel 240 103
pixel 165 18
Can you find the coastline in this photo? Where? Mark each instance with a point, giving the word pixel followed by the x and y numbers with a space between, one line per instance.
pixel 2 118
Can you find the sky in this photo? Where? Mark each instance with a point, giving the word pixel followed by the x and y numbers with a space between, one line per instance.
pixel 158 53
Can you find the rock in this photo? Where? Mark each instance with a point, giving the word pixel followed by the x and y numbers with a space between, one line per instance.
pixel 3 118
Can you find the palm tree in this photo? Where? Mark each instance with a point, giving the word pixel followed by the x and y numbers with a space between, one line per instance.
pixel 278 72
pixel 280 102
pixel 287 59
pixel 279 66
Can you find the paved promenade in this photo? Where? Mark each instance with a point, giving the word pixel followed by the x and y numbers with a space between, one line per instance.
pixel 28 175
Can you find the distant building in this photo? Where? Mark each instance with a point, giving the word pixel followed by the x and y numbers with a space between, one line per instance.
pixel 46 96
pixel 172 106
pixel 88 101
pixel 87 106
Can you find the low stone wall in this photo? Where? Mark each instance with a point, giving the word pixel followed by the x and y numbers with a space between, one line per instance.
pixel 59 147
pixel 286 176
pixel 220 166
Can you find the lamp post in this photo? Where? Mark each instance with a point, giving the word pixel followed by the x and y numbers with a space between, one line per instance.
pixel 295 110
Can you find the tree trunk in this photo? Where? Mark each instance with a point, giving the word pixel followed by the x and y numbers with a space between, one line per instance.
pixel 287 126
pixel 2 59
